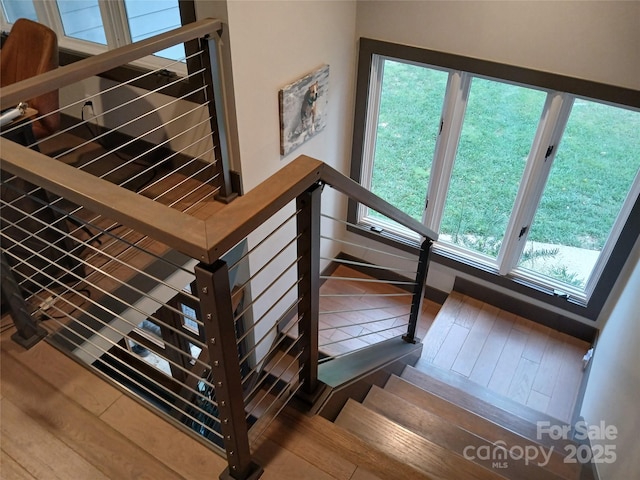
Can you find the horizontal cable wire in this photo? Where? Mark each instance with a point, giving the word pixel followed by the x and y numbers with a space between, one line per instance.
pixel 114 314
pixel 61 298
pixel 377 332
pixel 354 310
pixel 87 245
pixel 97 270
pixel 359 295
pixel 274 347
pixel 273 327
pixel 140 97
pixel 273 232
pixel 278 378
pixel 360 324
pixel 331 239
pixel 200 186
pixel 87 223
pixel 284 404
pixel 72 216
pixel 266 364
pixel 99 136
pixel 135 139
pixel 267 264
pixel 147 389
pixel 102 92
pixel 255 299
pixel 366 265
pixel 266 313
pixel 145 152
pixel 366 280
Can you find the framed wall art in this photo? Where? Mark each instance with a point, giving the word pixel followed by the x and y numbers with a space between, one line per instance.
pixel 303 109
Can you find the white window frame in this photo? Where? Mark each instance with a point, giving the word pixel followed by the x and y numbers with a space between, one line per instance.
pixel 552 123
pixel 116 27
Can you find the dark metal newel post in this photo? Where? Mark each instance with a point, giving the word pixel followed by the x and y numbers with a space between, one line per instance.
pixel 214 292
pixel 308 224
pixel 29 332
pixel 418 291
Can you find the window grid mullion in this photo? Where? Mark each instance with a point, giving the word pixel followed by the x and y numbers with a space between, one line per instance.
pixel 455 104
pixel 371 130
pixel 49 14
pixel 550 129
pixel 115 23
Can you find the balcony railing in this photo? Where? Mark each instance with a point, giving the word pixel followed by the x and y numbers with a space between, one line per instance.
pixel 124 249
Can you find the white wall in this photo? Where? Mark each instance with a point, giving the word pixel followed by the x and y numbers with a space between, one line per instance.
pixel 597 41
pixel 613 388
pixel 273 43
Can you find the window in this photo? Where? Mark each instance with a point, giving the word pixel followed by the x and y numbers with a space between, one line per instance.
pixel 533 182
pixel 93 26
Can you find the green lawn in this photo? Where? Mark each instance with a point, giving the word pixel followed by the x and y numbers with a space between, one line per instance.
pixel 591 176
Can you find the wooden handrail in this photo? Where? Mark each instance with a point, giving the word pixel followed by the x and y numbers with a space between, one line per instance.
pixel 360 194
pixel 234 222
pixel 175 229
pixel 206 240
pixel 69 74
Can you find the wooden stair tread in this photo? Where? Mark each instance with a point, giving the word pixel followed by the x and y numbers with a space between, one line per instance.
pixel 451 436
pixel 334 449
pixel 492 406
pixel 407 446
pixel 473 422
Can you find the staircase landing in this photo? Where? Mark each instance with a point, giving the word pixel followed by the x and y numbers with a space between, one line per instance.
pixel 522 360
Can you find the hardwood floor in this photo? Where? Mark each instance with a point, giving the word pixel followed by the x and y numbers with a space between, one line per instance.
pixel 508 354
pixel 61 421
pixel 527 362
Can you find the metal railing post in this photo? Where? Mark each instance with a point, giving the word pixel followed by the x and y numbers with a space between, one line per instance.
pixel 215 94
pixel 29 332
pixel 308 224
pixel 418 290
pixel 214 292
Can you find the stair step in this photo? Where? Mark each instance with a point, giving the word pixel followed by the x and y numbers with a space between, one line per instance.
pixel 457 439
pixel 492 406
pixel 333 449
pixel 475 423
pixel 407 446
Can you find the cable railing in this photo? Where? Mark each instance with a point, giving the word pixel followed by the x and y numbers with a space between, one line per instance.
pixel 124 246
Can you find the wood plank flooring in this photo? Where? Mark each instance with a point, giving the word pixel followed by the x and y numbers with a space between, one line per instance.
pixel 522 360
pixel 59 420
pixel 527 362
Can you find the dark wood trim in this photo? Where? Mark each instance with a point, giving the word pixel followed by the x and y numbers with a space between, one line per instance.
pixel 527 310
pixel 502 71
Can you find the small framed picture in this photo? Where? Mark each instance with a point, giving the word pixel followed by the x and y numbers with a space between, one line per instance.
pixel 303 109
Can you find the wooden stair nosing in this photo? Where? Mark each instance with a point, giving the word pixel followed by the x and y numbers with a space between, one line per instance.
pixel 455 438
pixel 469 387
pixel 473 422
pixel 406 446
pixel 488 405
pixel 329 446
